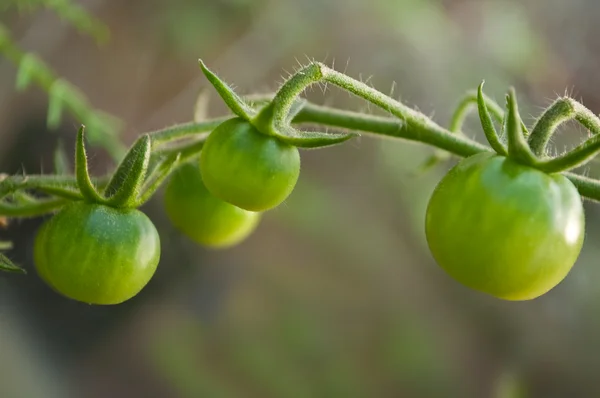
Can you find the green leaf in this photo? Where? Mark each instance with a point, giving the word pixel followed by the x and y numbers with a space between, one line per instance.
pixel 84 181
pixel 126 184
pixel 27 68
pixel 233 101
pixel 313 139
pixel 55 104
pixel 4 245
pixel 8 266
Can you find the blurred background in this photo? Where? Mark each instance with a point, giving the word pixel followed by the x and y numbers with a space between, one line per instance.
pixel 336 294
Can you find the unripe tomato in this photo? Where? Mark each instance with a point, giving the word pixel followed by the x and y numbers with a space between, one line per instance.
pixel 503 228
pixel 97 254
pixel 203 217
pixel 246 168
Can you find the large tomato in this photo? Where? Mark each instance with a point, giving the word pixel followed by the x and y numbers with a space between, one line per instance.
pixel 503 228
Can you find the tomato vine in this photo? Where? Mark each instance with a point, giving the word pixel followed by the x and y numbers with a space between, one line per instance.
pixel 248 161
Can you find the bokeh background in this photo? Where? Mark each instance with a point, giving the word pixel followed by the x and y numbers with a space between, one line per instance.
pixel 335 295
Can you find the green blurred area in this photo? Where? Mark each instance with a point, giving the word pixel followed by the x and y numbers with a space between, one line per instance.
pixel 335 295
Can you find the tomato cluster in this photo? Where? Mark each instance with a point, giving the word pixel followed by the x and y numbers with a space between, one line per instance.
pixel 494 224
pixel 99 254
pixel 503 228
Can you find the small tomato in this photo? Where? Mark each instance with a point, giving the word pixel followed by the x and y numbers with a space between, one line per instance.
pixel 203 217
pixel 97 254
pixel 246 168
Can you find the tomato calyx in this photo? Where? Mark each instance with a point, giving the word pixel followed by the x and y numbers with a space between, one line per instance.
pixel 530 149
pixel 274 118
pixel 131 184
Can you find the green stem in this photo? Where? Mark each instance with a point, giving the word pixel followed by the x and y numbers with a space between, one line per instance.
pixel 587 187
pixel 577 157
pixel 469 103
pixel 35 209
pixel 62 186
pixel 559 112
pixel 390 127
pixel 184 130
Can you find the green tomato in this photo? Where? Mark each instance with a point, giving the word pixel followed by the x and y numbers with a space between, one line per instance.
pixel 246 168
pixel 97 254
pixel 203 217
pixel 505 229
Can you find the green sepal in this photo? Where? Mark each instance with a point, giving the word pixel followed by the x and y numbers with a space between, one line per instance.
pixel 267 124
pixel 312 139
pixel 233 101
pixel 8 266
pixel 518 148
pixel 84 182
pixel 487 124
pixel 126 184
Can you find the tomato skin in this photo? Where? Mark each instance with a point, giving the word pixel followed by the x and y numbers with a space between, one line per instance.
pixel 505 229
pixel 246 168
pixel 97 254
pixel 203 217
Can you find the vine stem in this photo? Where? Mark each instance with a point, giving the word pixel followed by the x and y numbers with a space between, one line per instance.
pixel 184 142
pixel 310 114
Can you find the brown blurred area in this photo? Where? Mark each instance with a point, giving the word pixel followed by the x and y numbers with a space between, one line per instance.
pixel 335 295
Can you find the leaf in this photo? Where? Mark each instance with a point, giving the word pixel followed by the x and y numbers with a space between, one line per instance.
pixel 27 68
pixel 126 184
pixel 8 266
pixel 233 101
pixel 55 104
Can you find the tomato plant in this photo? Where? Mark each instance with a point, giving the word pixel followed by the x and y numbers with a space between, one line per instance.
pixel 247 168
pixel 504 228
pixel 203 217
pixel 507 221
pixel 97 254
